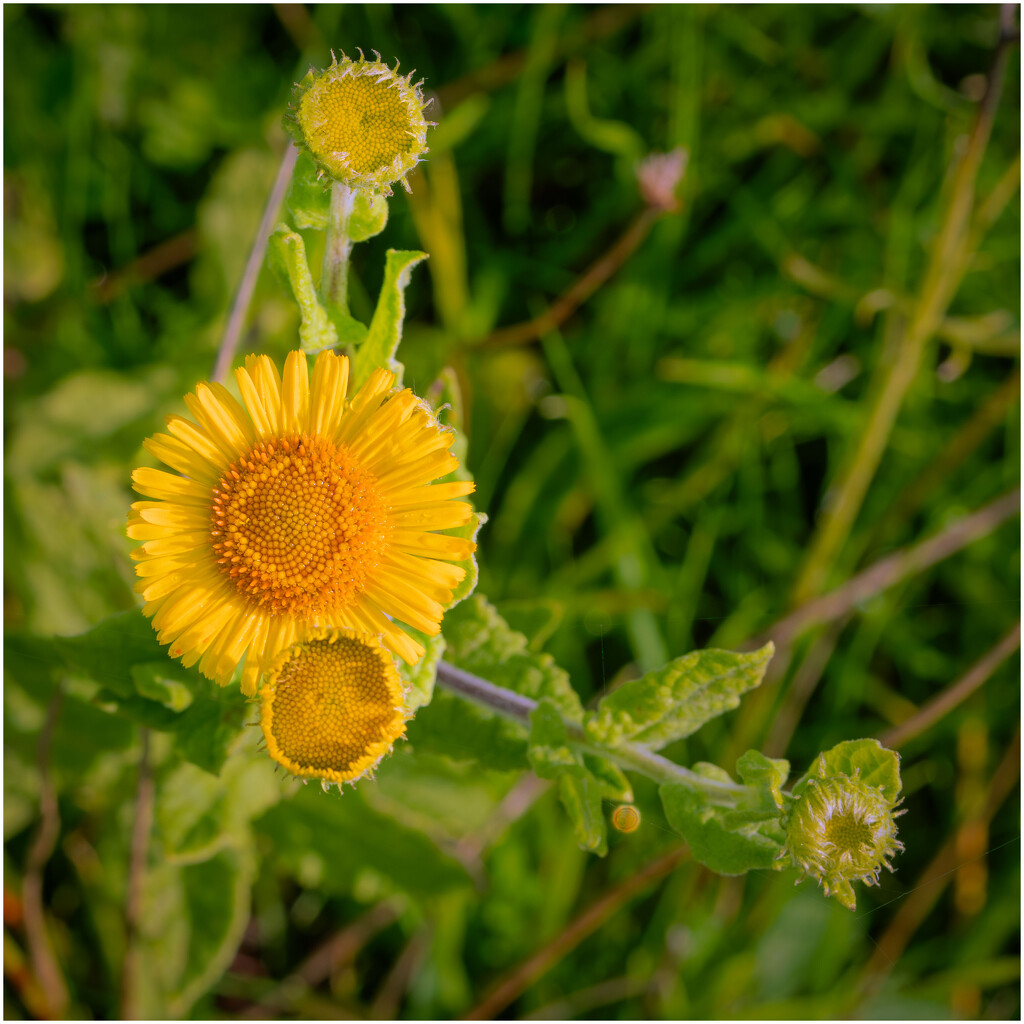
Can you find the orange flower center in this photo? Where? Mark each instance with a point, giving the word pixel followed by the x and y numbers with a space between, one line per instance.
pixel 334 707
pixel 298 526
pixel 359 116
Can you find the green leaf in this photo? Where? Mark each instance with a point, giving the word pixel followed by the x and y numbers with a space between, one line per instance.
pixel 469 532
pixel 460 730
pixel 216 905
pixel 866 758
pixel 137 680
pixel 480 641
pixel 369 215
pixel 110 650
pixel 553 758
pixel 308 199
pixel 334 834
pixel 286 253
pixel 610 778
pixel 728 847
pixel 381 342
pixel 419 678
pixel 673 702
pixel 766 773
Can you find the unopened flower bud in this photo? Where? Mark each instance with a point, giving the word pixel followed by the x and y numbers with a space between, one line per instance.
pixel 842 830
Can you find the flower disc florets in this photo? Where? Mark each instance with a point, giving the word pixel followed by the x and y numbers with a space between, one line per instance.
pixel 299 507
pixel 332 706
pixel 361 121
pixel 842 830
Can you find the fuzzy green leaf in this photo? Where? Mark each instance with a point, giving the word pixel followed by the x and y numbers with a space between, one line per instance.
pixel 286 253
pixel 332 835
pixel 610 778
pixel 553 758
pixel 369 216
pixel 481 642
pixel 727 843
pixel 675 701
pixel 308 199
pixel 216 905
pixel 468 583
pixel 419 678
pixel 381 342
pixel 866 758
pixel 765 773
pixel 138 681
pixel 455 728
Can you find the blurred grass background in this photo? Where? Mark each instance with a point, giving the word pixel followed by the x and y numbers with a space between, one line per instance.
pixel 657 466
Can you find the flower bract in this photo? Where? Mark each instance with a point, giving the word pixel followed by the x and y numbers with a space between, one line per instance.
pixel 361 121
pixel 332 705
pixel 296 509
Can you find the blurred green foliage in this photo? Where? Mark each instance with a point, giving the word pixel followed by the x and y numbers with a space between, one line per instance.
pixel 653 471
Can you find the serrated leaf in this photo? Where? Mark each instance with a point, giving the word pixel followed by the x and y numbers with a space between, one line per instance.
pixel 552 757
pixel 725 850
pixel 675 701
pixel 344 834
pixel 286 253
pixel 866 758
pixel 759 771
pixel 381 342
pixel 420 678
pixel 481 642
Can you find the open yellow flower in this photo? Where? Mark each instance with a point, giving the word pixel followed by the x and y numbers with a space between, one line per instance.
pixel 361 121
pixel 332 706
pixel 296 510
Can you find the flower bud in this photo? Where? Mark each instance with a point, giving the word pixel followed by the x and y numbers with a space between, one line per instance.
pixel 332 706
pixel 362 123
pixel 842 830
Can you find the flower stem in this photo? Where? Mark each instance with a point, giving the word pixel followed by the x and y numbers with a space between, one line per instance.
pixel 338 247
pixel 629 755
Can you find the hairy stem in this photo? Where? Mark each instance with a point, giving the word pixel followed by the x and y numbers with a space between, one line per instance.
pixel 629 755
pixel 338 247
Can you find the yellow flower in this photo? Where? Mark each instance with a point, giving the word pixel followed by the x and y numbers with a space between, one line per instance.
pixel 332 706
pixel 361 122
pixel 299 510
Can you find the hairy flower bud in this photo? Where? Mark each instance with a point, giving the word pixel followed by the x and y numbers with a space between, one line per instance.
pixel 362 123
pixel 842 830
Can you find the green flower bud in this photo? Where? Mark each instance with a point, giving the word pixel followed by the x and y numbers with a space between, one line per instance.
pixel 842 830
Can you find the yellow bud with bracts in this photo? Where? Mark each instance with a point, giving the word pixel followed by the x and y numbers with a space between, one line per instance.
pixel 842 830
pixel 361 121
pixel 332 706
